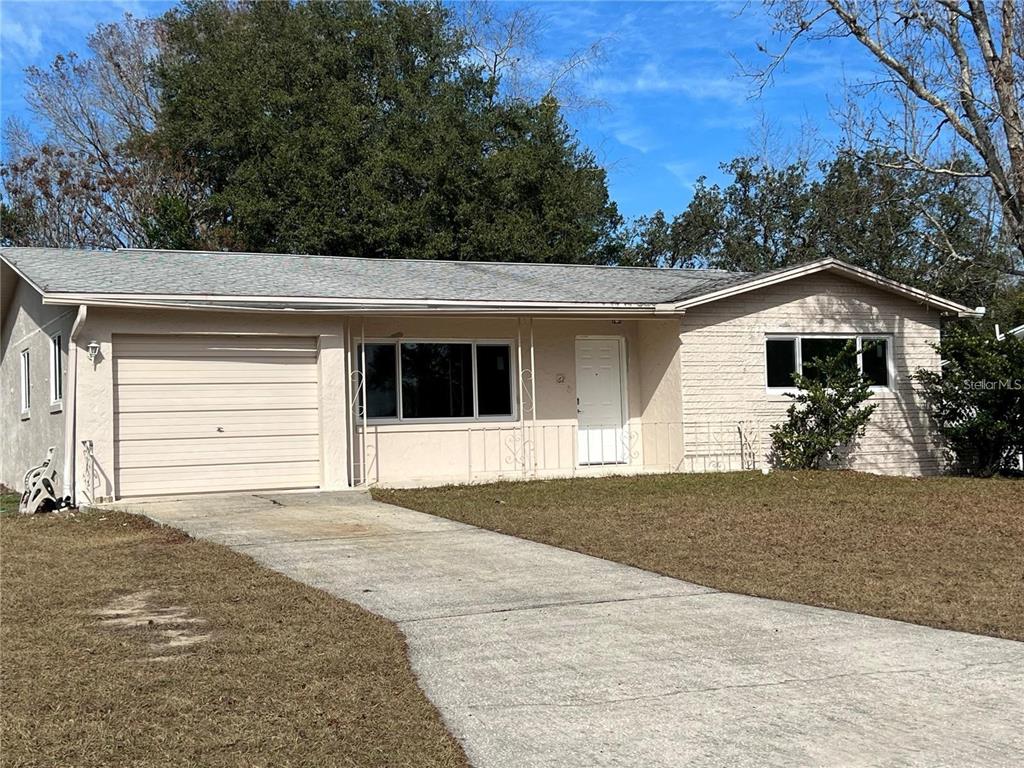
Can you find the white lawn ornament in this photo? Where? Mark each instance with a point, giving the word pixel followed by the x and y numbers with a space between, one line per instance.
pixel 39 495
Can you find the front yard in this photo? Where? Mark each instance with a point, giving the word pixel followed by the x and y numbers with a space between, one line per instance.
pixel 129 644
pixel 946 552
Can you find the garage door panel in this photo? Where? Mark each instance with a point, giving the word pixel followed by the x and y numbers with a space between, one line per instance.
pixel 268 423
pixel 198 371
pixel 218 450
pixel 206 397
pixel 218 347
pixel 215 413
pixel 155 481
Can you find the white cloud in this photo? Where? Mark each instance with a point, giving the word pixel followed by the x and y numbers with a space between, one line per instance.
pixel 684 173
pixel 20 42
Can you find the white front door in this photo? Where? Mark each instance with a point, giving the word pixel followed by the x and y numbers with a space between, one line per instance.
pixel 599 401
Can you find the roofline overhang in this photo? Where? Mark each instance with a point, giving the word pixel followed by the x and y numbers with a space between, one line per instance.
pixel 840 267
pixel 324 305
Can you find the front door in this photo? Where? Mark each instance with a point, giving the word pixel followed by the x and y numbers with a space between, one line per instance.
pixel 599 401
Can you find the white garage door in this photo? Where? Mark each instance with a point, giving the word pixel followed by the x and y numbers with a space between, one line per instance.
pixel 215 413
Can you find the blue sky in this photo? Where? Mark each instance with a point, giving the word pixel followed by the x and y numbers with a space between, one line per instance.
pixel 673 106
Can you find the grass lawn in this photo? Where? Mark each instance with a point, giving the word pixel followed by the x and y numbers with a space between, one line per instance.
pixel 946 552
pixel 129 644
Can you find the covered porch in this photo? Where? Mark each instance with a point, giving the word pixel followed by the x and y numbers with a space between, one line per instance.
pixel 456 399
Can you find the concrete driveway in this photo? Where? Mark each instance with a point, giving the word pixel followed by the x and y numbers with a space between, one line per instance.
pixel 537 656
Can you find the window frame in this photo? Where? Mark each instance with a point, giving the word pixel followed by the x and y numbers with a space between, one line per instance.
pixel 473 343
pixel 56 370
pixel 858 339
pixel 25 383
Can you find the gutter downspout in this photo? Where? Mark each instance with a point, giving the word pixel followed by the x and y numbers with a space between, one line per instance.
pixel 70 405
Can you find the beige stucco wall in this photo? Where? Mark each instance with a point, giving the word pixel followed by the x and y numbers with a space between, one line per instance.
pixel 723 371
pixel 95 411
pixel 421 453
pixel 29 324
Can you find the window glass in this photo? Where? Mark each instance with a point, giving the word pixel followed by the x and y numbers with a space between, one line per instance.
pixel 494 379
pixel 56 383
pixel 812 349
pixel 437 381
pixel 874 361
pixel 781 357
pixel 26 382
pixel 381 380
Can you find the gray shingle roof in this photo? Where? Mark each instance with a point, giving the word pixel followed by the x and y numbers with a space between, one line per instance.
pixel 191 273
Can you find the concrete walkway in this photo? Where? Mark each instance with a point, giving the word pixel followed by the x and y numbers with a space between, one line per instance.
pixel 537 656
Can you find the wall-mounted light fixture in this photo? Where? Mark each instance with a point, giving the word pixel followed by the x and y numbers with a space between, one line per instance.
pixel 93 349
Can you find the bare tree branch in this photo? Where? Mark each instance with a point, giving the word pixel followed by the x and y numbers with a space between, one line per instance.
pixel 957 74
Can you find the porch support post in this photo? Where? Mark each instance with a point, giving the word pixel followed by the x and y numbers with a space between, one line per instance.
pixel 350 398
pixel 533 404
pixel 362 387
pixel 522 390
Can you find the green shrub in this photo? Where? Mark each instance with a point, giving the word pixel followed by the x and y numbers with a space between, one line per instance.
pixel 827 414
pixel 977 401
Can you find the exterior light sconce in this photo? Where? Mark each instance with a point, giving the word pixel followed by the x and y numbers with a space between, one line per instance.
pixel 93 350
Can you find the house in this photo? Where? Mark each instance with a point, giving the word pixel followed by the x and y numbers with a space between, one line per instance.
pixel 1018 332
pixel 173 372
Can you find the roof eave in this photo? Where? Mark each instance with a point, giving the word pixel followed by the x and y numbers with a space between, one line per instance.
pixel 353 306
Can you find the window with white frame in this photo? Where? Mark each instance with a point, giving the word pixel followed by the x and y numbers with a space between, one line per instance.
pixel 56 376
pixel 26 382
pixel 436 380
pixel 787 355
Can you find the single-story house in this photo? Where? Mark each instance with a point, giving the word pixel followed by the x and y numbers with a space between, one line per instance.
pixel 173 372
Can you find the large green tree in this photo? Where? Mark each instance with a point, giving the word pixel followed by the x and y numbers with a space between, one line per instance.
pixel 358 128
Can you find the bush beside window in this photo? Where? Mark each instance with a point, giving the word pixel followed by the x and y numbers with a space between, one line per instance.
pixel 827 414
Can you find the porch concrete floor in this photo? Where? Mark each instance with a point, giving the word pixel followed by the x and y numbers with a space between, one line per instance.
pixel 538 656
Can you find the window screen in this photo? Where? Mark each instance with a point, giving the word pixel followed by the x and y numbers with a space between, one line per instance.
pixel 437 381
pixel 781 358
pixel 381 380
pixel 494 379
pixel 813 349
pixel 875 361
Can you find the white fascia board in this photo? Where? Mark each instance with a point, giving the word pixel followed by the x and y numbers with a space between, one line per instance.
pixel 356 306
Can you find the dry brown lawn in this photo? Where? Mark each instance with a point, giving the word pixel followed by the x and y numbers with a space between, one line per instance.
pixel 946 552
pixel 128 644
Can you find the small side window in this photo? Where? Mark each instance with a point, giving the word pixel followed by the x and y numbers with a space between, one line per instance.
pixel 56 374
pixel 26 382
pixel 780 355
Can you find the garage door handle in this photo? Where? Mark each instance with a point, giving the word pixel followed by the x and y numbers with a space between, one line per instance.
pixel 220 429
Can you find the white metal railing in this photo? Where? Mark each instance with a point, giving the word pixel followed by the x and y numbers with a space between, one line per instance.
pixel 88 486
pixel 530 449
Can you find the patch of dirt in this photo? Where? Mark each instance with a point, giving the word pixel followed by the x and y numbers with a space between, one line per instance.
pixel 171 625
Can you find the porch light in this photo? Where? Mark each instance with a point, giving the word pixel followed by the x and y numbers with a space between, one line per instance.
pixel 93 349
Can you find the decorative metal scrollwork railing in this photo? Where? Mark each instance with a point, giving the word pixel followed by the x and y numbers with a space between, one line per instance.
pixel 527 449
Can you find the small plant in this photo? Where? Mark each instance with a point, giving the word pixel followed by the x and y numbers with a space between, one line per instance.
pixel 977 401
pixel 827 414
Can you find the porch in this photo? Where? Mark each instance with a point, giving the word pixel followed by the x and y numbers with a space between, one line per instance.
pixel 466 400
